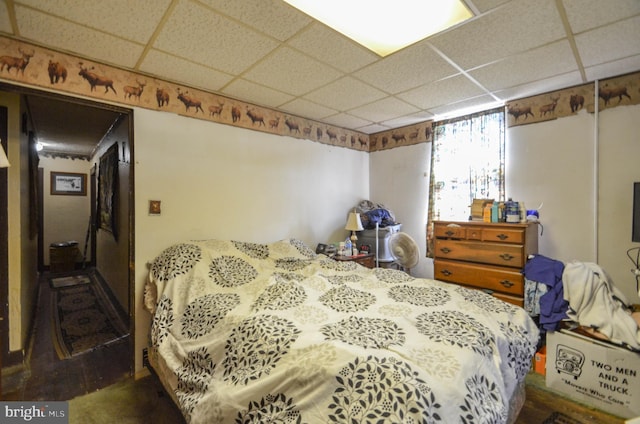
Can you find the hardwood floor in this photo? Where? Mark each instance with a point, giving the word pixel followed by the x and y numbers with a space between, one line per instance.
pixel 541 402
pixel 46 377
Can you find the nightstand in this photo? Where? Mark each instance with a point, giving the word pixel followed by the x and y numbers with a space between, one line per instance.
pixel 368 259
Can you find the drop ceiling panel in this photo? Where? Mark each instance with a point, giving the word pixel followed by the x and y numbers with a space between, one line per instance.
pixel 533 65
pixel 308 109
pixel 353 93
pixel 373 128
pixel 407 69
pixel 272 17
pixel 133 20
pixel 584 15
pixel 384 110
pixel 486 5
pixel 182 71
pixel 616 67
pixel 198 34
pixel 46 29
pixel 612 42
pixel 408 120
pixel 541 86
pixel 441 92
pixel 346 120
pixel 511 29
pixel 242 89
pixel 476 103
pixel 333 48
pixel 292 72
pixel 5 23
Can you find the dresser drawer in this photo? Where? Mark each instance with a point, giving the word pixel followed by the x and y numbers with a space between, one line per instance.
pixel 499 234
pixel 503 254
pixel 518 301
pixel 503 235
pixel 495 279
pixel 445 231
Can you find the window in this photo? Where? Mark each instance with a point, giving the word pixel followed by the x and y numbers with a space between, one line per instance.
pixel 467 162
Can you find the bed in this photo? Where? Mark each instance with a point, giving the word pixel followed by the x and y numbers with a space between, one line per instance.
pixel 251 333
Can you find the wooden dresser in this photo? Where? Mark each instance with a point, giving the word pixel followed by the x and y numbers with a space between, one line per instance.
pixel 487 256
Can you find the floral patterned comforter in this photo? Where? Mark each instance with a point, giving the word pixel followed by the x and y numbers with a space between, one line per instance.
pixel 252 333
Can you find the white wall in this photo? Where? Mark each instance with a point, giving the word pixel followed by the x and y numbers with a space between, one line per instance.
pixel 619 147
pixel 584 174
pixel 217 181
pixel 551 163
pixel 65 217
pixel 400 180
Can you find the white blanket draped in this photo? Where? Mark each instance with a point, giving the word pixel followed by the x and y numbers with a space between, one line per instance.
pixel 595 302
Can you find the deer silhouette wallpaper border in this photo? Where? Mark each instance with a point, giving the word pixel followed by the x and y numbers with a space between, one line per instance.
pixel 612 92
pixel 32 65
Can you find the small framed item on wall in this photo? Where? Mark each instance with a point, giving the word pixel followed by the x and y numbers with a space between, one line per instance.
pixel 68 183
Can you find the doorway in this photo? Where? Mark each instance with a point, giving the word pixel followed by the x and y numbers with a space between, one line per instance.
pixel 67 148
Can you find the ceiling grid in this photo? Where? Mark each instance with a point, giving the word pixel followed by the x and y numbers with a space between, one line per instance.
pixel 268 53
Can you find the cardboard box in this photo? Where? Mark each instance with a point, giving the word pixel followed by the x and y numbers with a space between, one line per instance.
pixel 540 361
pixel 593 372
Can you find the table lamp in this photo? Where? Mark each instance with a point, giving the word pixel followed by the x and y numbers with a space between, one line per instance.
pixel 4 162
pixel 354 224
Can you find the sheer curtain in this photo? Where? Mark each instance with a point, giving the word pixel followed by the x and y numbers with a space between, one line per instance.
pixel 467 162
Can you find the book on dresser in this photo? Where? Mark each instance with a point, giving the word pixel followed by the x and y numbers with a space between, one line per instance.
pixel 485 256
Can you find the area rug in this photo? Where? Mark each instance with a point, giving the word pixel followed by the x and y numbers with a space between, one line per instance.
pixel 84 319
pixel 70 280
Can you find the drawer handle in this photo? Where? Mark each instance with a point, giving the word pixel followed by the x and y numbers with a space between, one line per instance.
pixel 506 283
pixel 449 233
pixel 446 272
pixel 502 236
pixel 506 256
pixel 445 250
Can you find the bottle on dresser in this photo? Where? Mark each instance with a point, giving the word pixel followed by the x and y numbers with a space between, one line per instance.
pixel 348 247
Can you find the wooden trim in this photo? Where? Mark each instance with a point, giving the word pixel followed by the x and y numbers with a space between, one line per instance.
pixel 4 247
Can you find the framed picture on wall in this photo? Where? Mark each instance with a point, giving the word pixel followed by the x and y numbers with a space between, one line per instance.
pixel 108 191
pixel 68 183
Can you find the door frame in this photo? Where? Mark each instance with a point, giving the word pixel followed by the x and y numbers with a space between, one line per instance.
pixel 4 242
pixel 4 333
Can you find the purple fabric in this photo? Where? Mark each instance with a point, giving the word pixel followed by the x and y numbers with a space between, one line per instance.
pixel 553 307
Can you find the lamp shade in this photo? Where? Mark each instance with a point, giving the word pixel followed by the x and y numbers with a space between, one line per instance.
pixel 4 162
pixel 353 222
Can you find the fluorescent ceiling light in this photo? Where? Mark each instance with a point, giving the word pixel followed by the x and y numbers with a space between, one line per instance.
pixel 385 26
